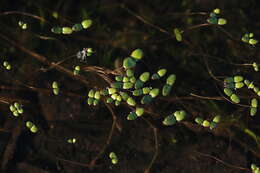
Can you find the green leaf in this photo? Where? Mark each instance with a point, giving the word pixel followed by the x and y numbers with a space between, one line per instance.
pixel 139 111
pixel 235 98
pixel 199 120
pixel 169 120
pixel 252 41
pixel 253 111
pixel 206 123
pixel 161 72
pixel 212 125
pixel 131 116
pixel 34 129
pixel 137 54
pixel 217 119
pixel 166 89
pixel 97 95
pixel 129 73
pixel 254 103
pixel 56 30
pixel 216 11
pixel 55 91
pixel 222 21
pixel 86 23
pixel 91 93
pixel 144 77
pixel 138 84
pixel 171 79
pixel 138 92
pixel 55 84
pixel 129 63
pixel 146 90
pixel 180 115
pixel 177 34
pixel 238 78
pixel 228 91
pixel 146 99
pixel 128 85
pixel 131 101
pixel 154 92
pixel 239 85
pixel 29 124
pixel 77 27
pixel 66 30
pixel 117 85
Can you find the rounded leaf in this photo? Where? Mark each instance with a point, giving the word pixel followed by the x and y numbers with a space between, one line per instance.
pixel 55 84
pixel 77 27
pixel 117 85
pixel 139 111
pixel 253 111
pixel 128 85
pixel 180 115
pixel 12 108
pixel 217 119
pixel 216 11
pixel 171 79
pixel 91 93
pixel 86 23
pixel 56 30
pixel 129 63
pixel 112 90
pixel 228 91
pixel 177 34
pixel 119 78
pixel 131 116
pixel 254 102
pixel 229 80
pixel 125 79
pixel 166 89
pixel 133 79
pixel 109 100
pixel 129 73
pixel 90 101
pixel 169 120
pixel 222 21
pixel 55 91
pixel 137 54
pixel 138 84
pixel 146 99
pixel 252 41
pixel 66 30
pixel 131 101
pixel 155 76
pixel 238 78
pixel 199 120
pixel 138 92
pixel 154 92
pixel 112 155
pixel 144 77
pixel 239 85
pixel 235 98
pixel 206 123
pixel 212 125
pixel 29 124
pixel 34 129
pixel 114 161
pixel 161 72
pixel 97 95
pixel 247 82
pixel 124 95
pixel 146 90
